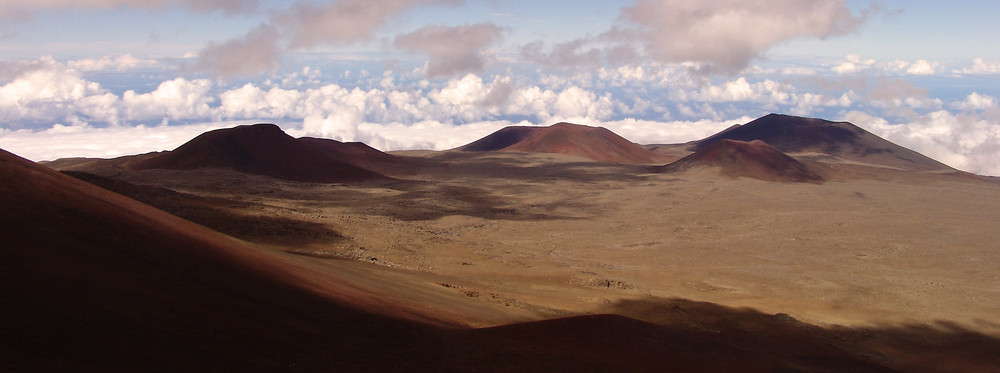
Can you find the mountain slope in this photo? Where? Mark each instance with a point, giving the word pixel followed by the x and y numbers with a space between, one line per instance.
pixel 99 282
pixel 262 149
pixel 843 140
pixel 596 143
pixel 755 159
pixel 357 153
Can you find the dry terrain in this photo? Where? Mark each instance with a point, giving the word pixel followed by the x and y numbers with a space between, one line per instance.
pixel 560 235
pixel 473 260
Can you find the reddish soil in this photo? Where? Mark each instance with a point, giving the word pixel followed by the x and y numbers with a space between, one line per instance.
pixel 94 281
pixel 263 149
pixel 596 143
pixel 754 159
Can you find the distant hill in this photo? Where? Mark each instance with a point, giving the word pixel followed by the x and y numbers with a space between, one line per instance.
pixel 264 149
pixel 596 143
pixel 755 159
pixel 818 137
pixel 356 153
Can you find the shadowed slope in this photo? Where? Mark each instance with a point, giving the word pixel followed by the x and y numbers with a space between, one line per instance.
pixel 844 140
pixel 259 149
pixel 100 282
pixel 754 159
pixel 596 143
pixel 360 154
pixel 501 139
pixel 228 216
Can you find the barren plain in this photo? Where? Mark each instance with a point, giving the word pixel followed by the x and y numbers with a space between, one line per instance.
pixel 850 254
pixel 557 235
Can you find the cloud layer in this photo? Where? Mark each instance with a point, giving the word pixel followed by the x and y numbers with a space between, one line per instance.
pixel 650 103
pixel 399 75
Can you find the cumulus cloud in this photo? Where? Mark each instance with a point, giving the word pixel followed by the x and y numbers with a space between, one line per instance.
pixel 853 64
pixel 57 94
pixel 922 67
pixel 650 103
pixel 725 35
pixel 452 50
pixel 976 101
pixel 966 142
pixel 980 67
pixel 48 92
pixel 173 99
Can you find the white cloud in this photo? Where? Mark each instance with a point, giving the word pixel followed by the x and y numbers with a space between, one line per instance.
pixel 340 124
pixel 853 64
pixel 725 35
pixel 173 99
pixel 47 93
pixel 645 103
pixel 922 67
pixel 966 142
pixel 428 134
pixel 668 132
pixel 980 67
pixel 122 62
pixel 976 101
pixel 108 142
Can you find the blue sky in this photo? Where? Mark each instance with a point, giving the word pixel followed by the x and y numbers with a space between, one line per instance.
pixel 114 77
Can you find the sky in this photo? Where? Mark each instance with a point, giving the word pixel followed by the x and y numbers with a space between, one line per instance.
pixel 105 78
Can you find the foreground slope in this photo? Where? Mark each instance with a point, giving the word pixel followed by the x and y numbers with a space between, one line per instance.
pixel 843 140
pixel 93 281
pixel 755 159
pixel 262 149
pixel 596 143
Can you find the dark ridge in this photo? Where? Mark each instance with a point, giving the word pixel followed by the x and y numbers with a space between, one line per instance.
pixel 755 159
pixel 262 149
pixel 501 139
pixel 360 154
pixel 595 143
pixel 791 134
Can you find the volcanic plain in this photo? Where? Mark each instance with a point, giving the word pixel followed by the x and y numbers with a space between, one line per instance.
pixel 825 249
